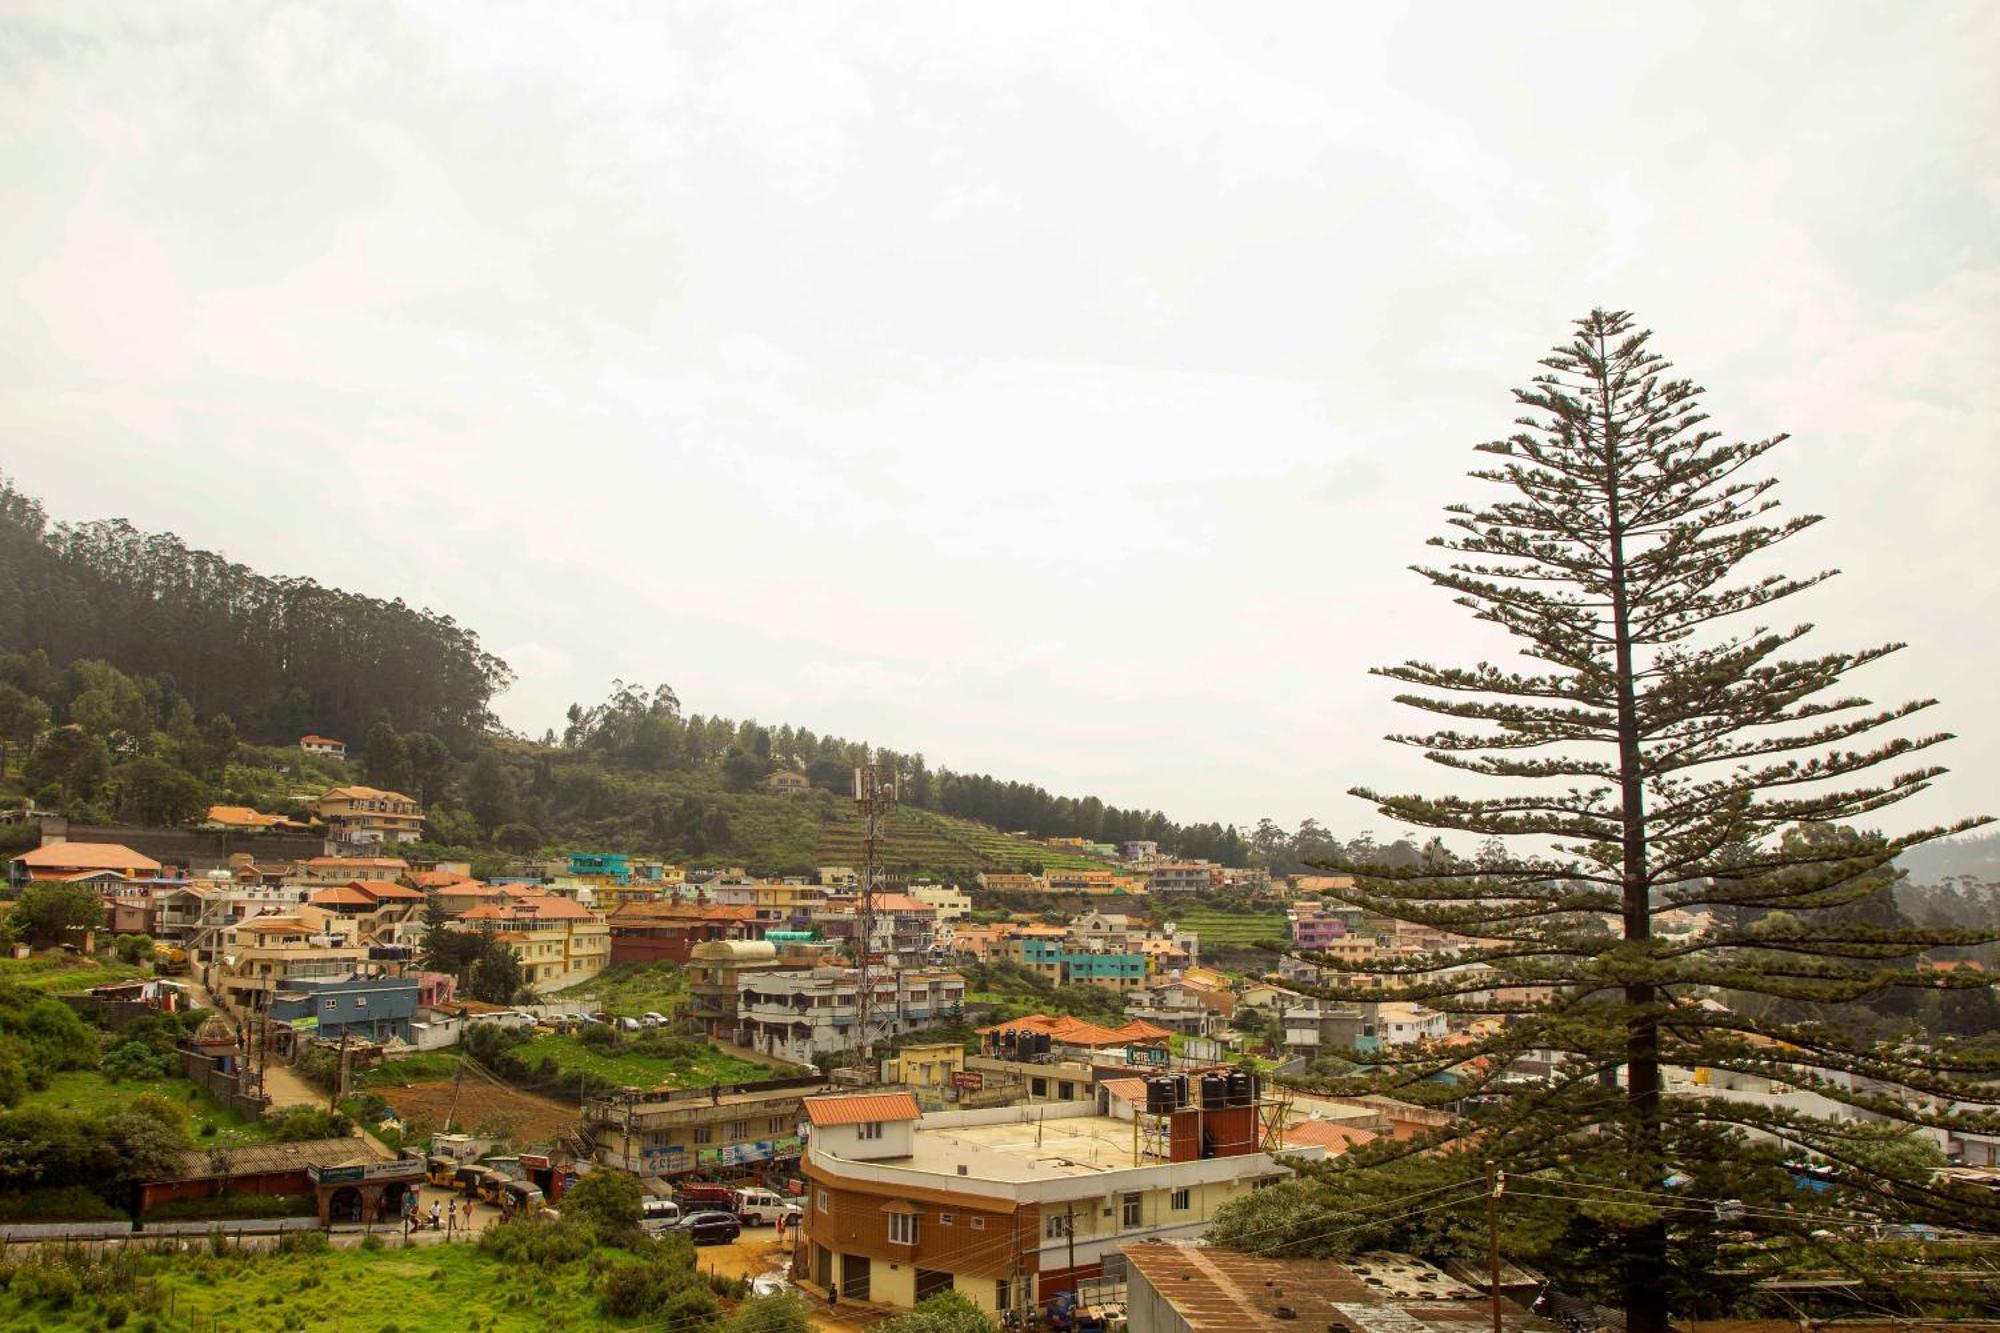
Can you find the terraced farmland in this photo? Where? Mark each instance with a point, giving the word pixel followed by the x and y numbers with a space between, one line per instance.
pixel 1227 928
pixel 925 840
pixel 913 843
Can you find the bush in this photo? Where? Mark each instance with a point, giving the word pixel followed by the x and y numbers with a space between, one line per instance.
pixel 677 1296
pixel 608 1200
pixel 536 1242
pixel 946 1312
pixel 598 1036
pixel 45 1284
pixel 371 1242
pixel 302 1242
pixel 68 1203
pixel 783 1313
pixel 135 1061
pixel 298 1123
pixel 133 949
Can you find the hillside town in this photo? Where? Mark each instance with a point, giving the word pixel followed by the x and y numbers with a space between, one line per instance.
pixel 968 668
pixel 1024 1088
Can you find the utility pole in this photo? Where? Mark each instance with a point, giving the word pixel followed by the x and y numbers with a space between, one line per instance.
pixel 1069 1230
pixel 339 1073
pixel 876 796
pixel 1496 1180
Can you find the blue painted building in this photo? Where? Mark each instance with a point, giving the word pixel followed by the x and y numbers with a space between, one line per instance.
pixel 367 1008
pixel 614 866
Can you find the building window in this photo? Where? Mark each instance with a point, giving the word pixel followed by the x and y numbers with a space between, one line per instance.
pixel 777 1125
pixel 1134 1213
pixel 947 1219
pixel 902 1228
pixel 739 1129
pixel 979 1224
pixel 822 1201
pixel 1055 1226
pixel 868 1129
pixel 704 1133
pixel 1179 1201
pixel 1003 1295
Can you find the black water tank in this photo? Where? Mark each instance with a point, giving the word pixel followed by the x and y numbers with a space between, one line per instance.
pixel 1041 1043
pixel 1180 1091
pixel 1214 1092
pixel 1159 1096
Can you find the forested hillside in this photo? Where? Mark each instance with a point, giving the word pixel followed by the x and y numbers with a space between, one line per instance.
pixel 281 656
pixel 141 680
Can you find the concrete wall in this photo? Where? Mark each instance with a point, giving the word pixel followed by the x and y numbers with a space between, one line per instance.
pixel 224 1085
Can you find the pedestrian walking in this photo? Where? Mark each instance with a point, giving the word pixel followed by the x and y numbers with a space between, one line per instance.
pixel 437 1222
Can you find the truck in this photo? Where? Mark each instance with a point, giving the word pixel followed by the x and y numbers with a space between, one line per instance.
pixel 696 1198
pixel 169 960
pixel 761 1207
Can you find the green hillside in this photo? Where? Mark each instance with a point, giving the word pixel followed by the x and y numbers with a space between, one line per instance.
pixel 925 842
pixel 1226 928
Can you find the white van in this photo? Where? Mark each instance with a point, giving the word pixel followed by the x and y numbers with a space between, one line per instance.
pixel 658 1215
pixel 761 1208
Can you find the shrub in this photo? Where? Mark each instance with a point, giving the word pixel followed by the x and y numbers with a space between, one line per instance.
pixel 302 1242
pixel 371 1242
pixel 598 1036
pixel 135 1061
pixel 67 1203
pixel 46 1284
pixel 536 1242
pixel 608 1200
pixel 298 1123
pixel 677 1296
pixel 783 1313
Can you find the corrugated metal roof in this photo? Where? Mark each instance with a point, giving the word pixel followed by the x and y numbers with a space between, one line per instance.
pixel 859 1108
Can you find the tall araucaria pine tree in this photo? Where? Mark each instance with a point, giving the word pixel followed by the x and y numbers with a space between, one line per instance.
pixel 1665 752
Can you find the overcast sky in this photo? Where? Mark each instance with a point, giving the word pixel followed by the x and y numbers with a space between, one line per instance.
pixel 1059 390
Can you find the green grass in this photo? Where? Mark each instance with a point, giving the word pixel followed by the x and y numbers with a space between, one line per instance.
pixel 63 973
pixel 348 1291
pixel 631 989
pixel 629 1069
pixel 69 1203
pixel 1228 928
pixel 90 1092
pixel 427 1067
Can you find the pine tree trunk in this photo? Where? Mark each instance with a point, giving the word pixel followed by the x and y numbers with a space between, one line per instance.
pixel 1644 1278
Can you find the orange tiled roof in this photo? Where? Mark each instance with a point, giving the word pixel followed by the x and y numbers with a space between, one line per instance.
pixel 438 879
pixel 1126 1089
pixel 860 1108
pixel 632 912
pixel 1335 1138
pixel 533 908
pixel 372 862
pixel 86 856
pixel 366 794
pixel 1070 1031
pixel 341 896
pixel 386 891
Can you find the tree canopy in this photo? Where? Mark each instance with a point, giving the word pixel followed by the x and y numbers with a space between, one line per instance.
pixel 1665 751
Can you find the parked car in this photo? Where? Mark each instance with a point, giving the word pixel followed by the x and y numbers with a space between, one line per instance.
pixel 652 1019
pixel 628 1024
pixel 710 1228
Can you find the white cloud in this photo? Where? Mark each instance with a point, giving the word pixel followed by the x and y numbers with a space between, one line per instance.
pixel 975 379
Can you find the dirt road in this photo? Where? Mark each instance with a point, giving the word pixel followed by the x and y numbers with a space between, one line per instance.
pixel 757 1253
